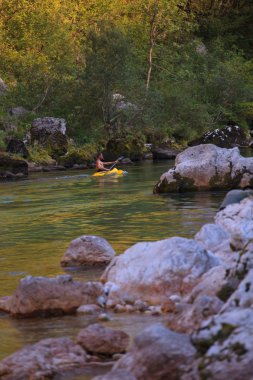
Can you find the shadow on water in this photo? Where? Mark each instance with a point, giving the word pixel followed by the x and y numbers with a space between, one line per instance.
pixel 40 216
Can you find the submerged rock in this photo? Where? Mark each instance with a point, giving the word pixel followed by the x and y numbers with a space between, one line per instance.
pixel 98 339
pixel 41 296
pixel 88 250
pixel 154 271
pixel 207 167
pixel 43 360
pixel 157 354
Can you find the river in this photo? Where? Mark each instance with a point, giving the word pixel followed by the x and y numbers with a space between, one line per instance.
pixel 41 215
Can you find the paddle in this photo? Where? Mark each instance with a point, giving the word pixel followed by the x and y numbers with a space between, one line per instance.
pixel 118 160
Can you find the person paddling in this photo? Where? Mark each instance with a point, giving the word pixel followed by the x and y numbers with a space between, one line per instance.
pixel 100 163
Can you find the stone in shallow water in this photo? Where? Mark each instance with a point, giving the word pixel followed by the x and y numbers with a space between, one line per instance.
pixel 103 340
pixel 88 250
pixel 89 309
pixel 51 296
pixel 157 354
pixel 42 360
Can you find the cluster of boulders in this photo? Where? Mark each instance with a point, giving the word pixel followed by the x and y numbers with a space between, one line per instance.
pixel 215 307
pixel 47 132
pixel 95 344
pixel 204 287
pixel 207 167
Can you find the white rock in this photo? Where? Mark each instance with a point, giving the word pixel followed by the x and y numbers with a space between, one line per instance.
pixel 226 345
pixel 211 236
pixel 205 167
pixel 243 296
pixel 237 219
pixel 88 309
pixel 154 271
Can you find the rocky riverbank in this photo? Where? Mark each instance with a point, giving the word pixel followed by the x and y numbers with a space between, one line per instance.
pixel 46 146
pixel 201 285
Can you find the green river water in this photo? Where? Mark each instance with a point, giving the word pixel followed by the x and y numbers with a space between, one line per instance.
pixel 41 215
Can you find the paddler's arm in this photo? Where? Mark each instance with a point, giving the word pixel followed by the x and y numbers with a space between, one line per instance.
pixel 109 163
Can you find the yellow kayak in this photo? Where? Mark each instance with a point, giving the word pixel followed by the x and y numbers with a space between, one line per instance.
pixel 113 172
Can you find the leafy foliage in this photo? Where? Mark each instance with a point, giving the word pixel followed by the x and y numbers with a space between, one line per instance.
pixel 185 65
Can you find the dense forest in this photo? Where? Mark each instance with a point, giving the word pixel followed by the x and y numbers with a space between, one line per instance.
pixel 139 70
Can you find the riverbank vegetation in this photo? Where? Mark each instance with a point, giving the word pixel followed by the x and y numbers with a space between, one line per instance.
pixel 126 72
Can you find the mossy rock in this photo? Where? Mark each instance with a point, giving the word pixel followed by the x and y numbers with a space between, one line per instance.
pixel 132 146
pixel 73 158
pixel 58 144
pixel 12 165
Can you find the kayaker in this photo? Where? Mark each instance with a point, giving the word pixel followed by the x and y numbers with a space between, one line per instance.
pixel 100 164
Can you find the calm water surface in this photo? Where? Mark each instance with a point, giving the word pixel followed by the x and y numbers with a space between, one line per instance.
pixel 40 216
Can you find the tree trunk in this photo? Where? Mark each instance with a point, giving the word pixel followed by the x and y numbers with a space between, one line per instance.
pixel 150 61
pixel 151 47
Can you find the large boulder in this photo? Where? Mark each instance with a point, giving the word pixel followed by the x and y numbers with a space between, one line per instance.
pixel 237 219
pixel 50 132
pixel 46 126
pixel 212 236
pixel 157 354
pixel 43 360
pixel 50 296
pixel 207 167
pixel 88 250
pixel 225 346
pixel 11 168
pixel 154 271
pixel 98 339
pixel 227 137
pixel 243 295
pixel 188 313
pixel 190 316
pixel 218 240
